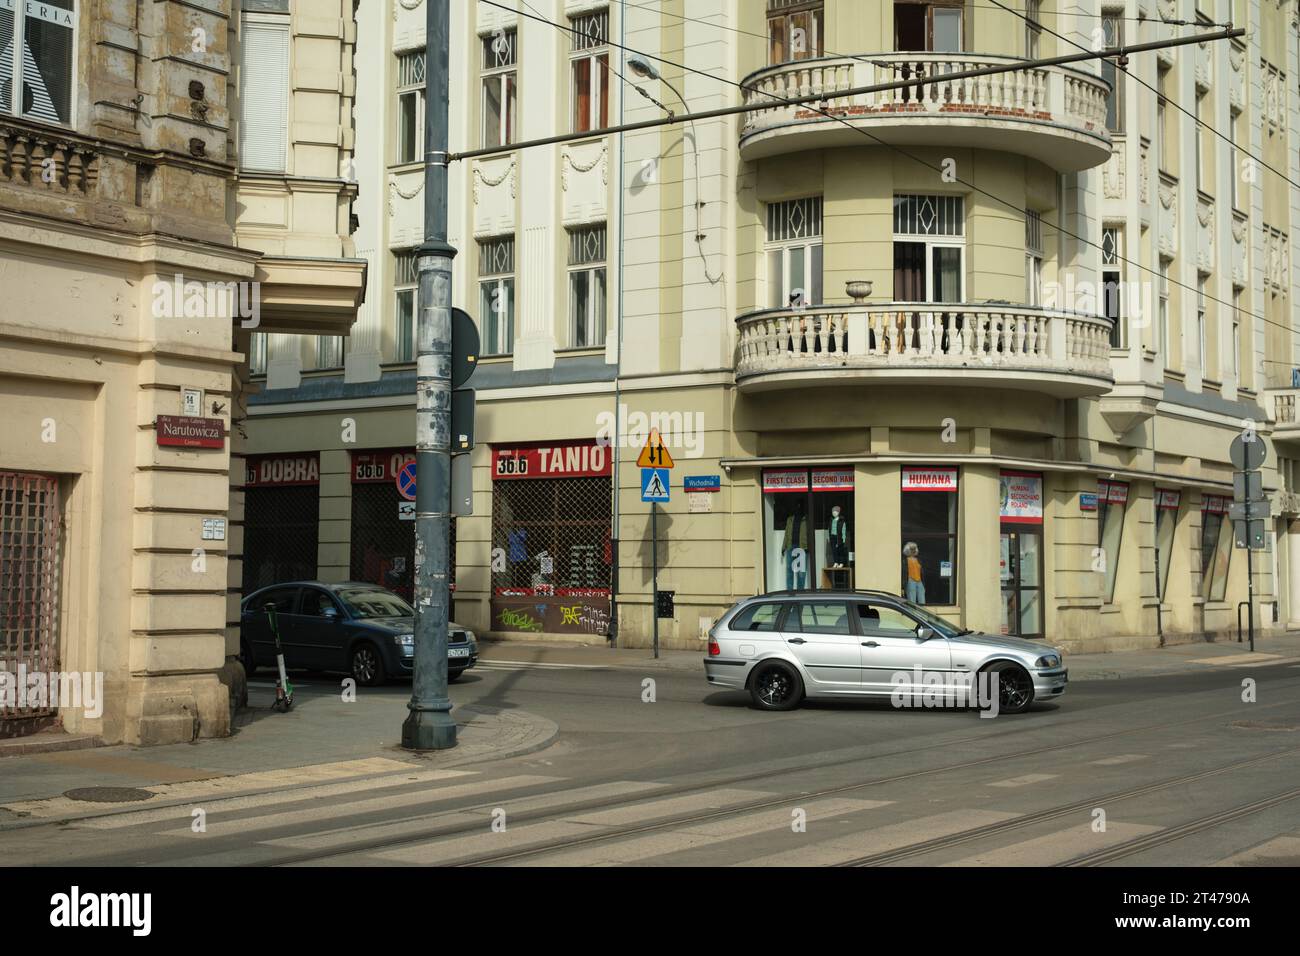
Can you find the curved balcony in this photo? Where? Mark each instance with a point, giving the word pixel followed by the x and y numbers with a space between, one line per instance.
pixel 1064 354
pixel 1056 114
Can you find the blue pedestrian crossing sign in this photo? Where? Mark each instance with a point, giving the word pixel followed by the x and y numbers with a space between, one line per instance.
pixel 654 484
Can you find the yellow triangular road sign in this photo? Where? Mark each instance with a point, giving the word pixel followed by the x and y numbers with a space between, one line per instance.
pixel 655 453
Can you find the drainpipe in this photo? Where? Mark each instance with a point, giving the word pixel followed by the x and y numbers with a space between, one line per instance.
pixel 611 632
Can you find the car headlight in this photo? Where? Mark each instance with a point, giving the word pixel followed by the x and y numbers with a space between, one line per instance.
pixel 1048 660
pixel 404 640
pixel 469 636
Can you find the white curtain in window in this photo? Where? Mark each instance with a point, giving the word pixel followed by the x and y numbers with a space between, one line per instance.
pixel 263 94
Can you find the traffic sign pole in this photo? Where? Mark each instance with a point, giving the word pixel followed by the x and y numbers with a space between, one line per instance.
pixel 654 574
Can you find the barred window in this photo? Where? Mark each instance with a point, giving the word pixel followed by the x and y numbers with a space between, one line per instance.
pixel 405 281
pixel 500 88
pixel 1112 25
pixel 46 33
pixel 555 534
pixel 1033 258
pixel 589 70
pixel 1033 232
pixel 329 351
pixel 410 106
pixel 929 215
pixel 496 268
pixel 587 286
pixel 794 252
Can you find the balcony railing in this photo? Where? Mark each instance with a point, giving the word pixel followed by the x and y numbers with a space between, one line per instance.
pixel 1282 404
pixel 53 161
pixel 1035 111
pixel 1067 354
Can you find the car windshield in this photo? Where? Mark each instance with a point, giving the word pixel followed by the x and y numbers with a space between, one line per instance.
pixel 946 628
pixel 375 604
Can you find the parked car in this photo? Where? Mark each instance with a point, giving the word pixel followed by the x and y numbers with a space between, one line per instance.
pixel 357 628
pixel 787 645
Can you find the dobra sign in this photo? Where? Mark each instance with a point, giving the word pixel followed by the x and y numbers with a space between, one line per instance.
pixel 179 430
pixel 282 470
pixel 573 459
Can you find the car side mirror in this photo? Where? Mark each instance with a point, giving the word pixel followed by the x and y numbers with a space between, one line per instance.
pixel 330 614
pixel 924 632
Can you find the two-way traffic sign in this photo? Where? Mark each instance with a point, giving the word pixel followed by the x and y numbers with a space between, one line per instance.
pixel 655 453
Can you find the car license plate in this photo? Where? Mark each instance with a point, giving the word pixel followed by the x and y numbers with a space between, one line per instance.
pixel 458 652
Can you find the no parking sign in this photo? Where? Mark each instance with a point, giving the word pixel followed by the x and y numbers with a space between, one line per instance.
pixel 405 481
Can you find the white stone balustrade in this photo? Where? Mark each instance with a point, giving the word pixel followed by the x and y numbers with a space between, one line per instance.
pixel 1041 108
pixel 894 338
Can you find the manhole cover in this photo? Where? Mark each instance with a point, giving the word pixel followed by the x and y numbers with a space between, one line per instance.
pixel 1265 725
pixel 108 794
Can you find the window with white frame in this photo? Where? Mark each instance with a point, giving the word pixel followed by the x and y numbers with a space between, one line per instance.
pixel 587 286
pixel 929 248
pixel 1202 358
pixel 1162 83
pixel 1112 284
pixel 1033 28
pixel 794 30
pixel 1234 159
pixel 1112 26
pixel 1033 258
pixel 263 92
pixel 1164 312
pixel 589 70
pixel 329 351
pixel 410 107
pixel 406 280
pixel 39 83
pixel 794 253
pixel 1202 147
pixel 1236 338
pixel 500 88
pixel 496 295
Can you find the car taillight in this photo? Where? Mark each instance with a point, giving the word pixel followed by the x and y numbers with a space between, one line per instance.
pixel 714 649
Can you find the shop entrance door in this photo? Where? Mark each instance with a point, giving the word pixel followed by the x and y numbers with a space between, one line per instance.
pixel 1022 581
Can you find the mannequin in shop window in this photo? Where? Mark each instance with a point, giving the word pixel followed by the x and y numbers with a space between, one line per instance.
pixel 794 549
pixel 915 586
pixel 837 540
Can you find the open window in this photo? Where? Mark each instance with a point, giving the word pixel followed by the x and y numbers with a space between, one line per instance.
pixel 929 27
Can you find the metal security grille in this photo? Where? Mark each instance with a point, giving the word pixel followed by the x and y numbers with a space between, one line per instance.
pixel 590 30
pixel 794 219
pixel 929 215
pixel 280 534
pixel 383 545
pixel 29 578
pixel 561 524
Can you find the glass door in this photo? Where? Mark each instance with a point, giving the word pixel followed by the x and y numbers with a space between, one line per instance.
pixel 1021 572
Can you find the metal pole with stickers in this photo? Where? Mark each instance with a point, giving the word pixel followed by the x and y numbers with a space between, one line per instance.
pixel 1248 510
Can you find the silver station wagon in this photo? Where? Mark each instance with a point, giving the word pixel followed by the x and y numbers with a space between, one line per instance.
pixel 787 645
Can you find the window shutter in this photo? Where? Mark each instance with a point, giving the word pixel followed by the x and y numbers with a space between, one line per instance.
pixel 263 95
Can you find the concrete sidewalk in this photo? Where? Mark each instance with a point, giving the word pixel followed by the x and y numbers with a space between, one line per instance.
pixel 1280 648
pixel 323 739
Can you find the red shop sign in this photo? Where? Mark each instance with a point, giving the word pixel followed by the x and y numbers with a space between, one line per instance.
pixel 929 479
pixel 562 459
pixel 372 467
pixel 282 470
pixel 784 480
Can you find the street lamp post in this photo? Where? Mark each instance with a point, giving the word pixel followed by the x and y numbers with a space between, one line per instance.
pixel 430 726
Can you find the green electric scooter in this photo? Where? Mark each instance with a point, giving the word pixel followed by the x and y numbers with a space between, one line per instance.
pixel 283 689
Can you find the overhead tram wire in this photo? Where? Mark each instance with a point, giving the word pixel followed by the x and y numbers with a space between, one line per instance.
pixel 1168 99
pixel 775 100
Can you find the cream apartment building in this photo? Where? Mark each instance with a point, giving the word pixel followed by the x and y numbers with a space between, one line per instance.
pixel 985 342
pixel 172 176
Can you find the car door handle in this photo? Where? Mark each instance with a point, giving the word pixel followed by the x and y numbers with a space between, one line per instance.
pixel 796 640
pixel 870 644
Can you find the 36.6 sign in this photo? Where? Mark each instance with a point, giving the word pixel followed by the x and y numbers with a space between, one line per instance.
pixel 512 466
pixel 379 465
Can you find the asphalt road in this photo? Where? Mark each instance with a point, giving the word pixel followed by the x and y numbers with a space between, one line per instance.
pixel 1171 770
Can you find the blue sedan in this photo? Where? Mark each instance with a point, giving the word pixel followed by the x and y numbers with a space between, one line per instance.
pixel 360 629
